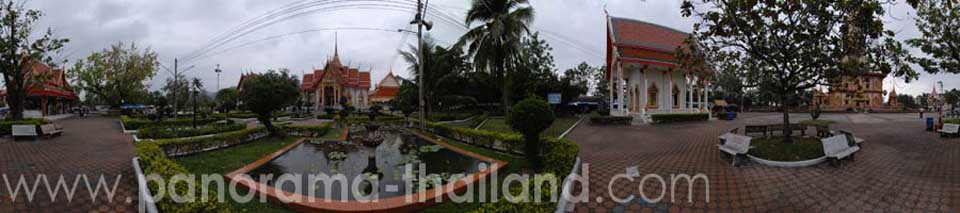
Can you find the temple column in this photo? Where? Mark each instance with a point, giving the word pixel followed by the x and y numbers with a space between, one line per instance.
pixel 689 92
pixel 645 98
pixel 620 90
pixel 707 86
pixel 320 99
pixel 670 100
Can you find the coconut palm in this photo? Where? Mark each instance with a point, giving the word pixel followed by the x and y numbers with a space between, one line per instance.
pixel 496 41
pixel 442 66
pixel 197 88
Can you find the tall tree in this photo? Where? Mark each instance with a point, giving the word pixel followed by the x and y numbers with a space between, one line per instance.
pixel 442 67
pixel 791 46
pixel 115 74
pixel 265 93
pixel 197 86
pixel 19 47
pixel 495 42
pixel 179 88
pixel 228 98
pixel 939 25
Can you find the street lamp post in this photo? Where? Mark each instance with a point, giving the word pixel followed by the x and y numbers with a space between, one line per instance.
pixel 418 20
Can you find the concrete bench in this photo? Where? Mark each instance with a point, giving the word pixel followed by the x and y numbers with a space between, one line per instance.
pixel 50 130
pixel 852 140
pixel 949 130
pixel 723 138
pixel 736 145
pixel 836 148
pixel 23 131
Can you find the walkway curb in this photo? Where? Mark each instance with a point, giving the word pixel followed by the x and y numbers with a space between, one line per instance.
pixel 564 205
pixel 146 202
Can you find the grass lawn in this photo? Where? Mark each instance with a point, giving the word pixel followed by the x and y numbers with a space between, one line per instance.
pixel 333 133
pixel 773 148
pixel 559 126
pixel 515 165
pixel 818 122
pixel 230 159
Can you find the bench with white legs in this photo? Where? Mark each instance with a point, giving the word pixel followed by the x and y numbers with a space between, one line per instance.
pixel 23 131
pixel 50 130
pixel 836 148
pixel 949 130
pixel 736 145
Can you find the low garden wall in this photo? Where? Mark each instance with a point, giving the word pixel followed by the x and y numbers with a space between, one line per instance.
pixel 559 158
pixel 155 158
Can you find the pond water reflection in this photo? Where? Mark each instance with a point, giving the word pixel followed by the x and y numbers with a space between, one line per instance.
pixel 386 162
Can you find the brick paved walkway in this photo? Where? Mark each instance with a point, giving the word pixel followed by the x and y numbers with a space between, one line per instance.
pixel 92 146
pixel 901 168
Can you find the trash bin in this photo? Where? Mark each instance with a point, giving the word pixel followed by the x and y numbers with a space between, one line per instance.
pixel 731 115
pixel 930 124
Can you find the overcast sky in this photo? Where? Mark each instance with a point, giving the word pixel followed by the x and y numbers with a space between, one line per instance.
pixel 367 32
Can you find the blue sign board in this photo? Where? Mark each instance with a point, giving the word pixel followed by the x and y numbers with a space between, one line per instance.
pixel 553 98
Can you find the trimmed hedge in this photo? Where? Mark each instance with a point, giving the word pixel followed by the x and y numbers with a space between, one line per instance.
pixel 5 125
pixel 307 131
pixel 611 120
pixel 154 161
pixel 559 154
pixel 136 123
pixel 174 132
pixel 684 117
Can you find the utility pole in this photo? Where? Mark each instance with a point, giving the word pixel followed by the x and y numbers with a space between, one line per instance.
pixel 218 71
pixel 418 20
pixel 176 86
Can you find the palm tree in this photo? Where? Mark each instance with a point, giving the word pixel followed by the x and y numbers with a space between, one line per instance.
pixel 197 87
pixel 442 66
pixel 495 43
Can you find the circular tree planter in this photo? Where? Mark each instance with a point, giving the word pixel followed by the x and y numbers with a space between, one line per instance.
pixel 788 164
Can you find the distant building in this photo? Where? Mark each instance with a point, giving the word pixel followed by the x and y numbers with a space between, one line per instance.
pixel 48 92
pixel 386 90
pixel 861 93
pixel 326 86
pixel 644 74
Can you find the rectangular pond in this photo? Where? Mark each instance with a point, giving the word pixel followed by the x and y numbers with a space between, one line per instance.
pixel 385 162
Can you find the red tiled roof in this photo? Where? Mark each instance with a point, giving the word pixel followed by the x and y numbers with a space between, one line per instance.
pixel 385 92
pixel 54 82
pixel 364 80
pixel 635 33
pixel 307 81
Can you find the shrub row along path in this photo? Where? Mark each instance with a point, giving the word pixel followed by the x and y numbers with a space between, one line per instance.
pixel 900 168
pixel 91 146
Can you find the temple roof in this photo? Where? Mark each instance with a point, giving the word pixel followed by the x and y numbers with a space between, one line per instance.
pixel 636 33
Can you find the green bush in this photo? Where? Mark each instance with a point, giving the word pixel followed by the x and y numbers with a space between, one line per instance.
pixel 154 161
pixel 946 121
pixel 610 120
pixel 175 132
pixel 682 117
pixel 5 125
pixel 530 202
pixel 530 117
pixel 559 155
pixel 307 131
pixel 136 123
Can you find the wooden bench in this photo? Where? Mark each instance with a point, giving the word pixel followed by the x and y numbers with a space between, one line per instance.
pixel 852 140
pixel 23 131
pixel 723 138
pixel 836 149
pixel 755 129
pixel 50 130
pixel 737 146
pixel 949 130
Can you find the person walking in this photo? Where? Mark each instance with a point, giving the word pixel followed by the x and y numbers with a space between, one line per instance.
pixel 921 114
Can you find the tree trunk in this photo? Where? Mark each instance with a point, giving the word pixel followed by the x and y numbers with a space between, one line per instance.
pixel 15 97
pixel 265 120
pixel 532 151
pixel 507 87
pixel 786 119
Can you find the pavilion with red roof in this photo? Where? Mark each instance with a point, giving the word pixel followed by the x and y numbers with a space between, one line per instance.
pixel 47 90
pixel 645 74
pixel 324 87
pixel 386 89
